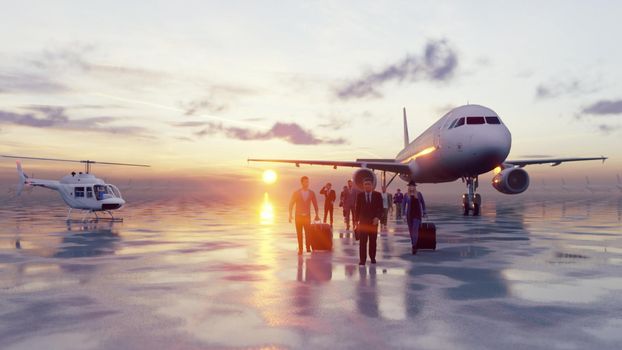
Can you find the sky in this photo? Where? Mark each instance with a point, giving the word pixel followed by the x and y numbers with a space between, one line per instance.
pixel 194 88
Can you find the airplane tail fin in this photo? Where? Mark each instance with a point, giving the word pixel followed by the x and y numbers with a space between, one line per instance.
pixel 406 140
pixel 23 178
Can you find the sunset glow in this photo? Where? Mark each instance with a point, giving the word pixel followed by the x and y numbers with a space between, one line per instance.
pixel 266 213
pixel 269 177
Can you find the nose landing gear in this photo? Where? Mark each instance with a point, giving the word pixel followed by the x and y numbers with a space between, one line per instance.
pixel 471 201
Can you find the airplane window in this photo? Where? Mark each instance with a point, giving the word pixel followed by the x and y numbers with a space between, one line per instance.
pixel 89 192
pixel 460 122
pixel 476 120
pixel 493 120
pixel 452 124
pixel 78 192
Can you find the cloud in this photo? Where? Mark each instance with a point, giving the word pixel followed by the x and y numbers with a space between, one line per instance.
pixel 75 57
pixel 206 104
pixel 54 117
pixel 604 107
pixel 28 82
pixel 190 124
pixel 437 63
pixel 334 123
pixel 217 99
pixel 289 132
pixel 558 88
pixel 608 129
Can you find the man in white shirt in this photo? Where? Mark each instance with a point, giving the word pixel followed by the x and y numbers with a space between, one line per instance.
pixel 302 199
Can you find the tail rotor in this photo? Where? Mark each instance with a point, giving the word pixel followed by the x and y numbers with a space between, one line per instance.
pixel 23 179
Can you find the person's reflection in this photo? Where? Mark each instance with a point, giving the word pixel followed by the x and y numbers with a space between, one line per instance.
pixel 315 269
pixel 385 246
pixel 366 293
pixel 319 268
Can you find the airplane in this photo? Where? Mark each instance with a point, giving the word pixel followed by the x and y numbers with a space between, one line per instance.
pixel 82 191
pixel 466 142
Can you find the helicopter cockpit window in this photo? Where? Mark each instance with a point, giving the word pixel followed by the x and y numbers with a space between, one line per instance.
pixel 114 191
pixel 78 192
pixel 100 192
pixel 89 192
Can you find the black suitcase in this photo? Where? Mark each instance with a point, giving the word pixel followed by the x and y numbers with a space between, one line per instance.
pixel 321 237
pixel 427 236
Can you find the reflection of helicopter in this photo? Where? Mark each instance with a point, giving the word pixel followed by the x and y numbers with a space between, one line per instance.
pixel 81 191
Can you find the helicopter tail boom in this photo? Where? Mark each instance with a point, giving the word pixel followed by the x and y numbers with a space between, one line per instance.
pixel 23 178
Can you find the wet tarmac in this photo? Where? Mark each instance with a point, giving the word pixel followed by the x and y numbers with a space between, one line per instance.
pixel 184 274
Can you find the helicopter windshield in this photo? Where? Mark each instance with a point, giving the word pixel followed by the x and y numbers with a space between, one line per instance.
pixel 106 191
pixel 114 190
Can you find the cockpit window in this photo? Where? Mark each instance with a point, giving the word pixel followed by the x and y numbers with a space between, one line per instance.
pixel 476 120
pixel 101 192
pixel 493 120
pixel 452 124
pixel 112 189
pixel 460 122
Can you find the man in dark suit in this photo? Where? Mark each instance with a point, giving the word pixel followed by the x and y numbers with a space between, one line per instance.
pixel 367 214
pixel 329 199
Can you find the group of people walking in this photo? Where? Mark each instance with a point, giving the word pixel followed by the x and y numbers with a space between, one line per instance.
pixel 366 210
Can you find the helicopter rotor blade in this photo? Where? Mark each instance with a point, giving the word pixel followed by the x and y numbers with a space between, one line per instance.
pixel 108 163
pixel 37 158
pixel 76 161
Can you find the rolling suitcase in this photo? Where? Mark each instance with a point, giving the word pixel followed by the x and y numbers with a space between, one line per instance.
pixel 427 236
pixel 321 237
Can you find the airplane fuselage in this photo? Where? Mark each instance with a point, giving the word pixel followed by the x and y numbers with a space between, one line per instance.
pixel 468 141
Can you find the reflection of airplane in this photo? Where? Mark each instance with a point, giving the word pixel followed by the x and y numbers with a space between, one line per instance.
pixel 468 141
pixel 594 188
pixel 544 187
pixel 564 187
pixel 81 191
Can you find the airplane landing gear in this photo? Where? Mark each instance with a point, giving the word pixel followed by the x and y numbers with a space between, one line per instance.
pixel 471 201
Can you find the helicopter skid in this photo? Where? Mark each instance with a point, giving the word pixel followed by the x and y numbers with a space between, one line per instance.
pixel 87 217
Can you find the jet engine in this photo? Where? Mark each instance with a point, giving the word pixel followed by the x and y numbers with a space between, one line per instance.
pixel 511 181
pixel 360 175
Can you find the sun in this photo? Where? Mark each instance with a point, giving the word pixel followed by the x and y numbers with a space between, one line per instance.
pixel 269 176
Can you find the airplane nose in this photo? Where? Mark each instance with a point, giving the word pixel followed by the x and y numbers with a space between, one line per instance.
pixel 490 148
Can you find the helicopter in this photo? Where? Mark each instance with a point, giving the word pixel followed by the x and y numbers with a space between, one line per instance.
pixel 81 191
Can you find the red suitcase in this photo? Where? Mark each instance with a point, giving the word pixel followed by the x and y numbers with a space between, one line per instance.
pixel 321 237
pixel 427 236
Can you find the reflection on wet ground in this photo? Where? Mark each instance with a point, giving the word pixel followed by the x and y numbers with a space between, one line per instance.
pixel 529 273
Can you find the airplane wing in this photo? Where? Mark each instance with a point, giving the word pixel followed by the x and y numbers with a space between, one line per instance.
pixel 389 165
pixel 552 161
